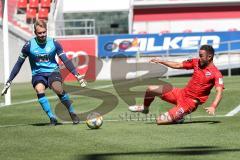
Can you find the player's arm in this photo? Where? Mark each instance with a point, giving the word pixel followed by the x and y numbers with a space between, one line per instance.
pixel 171 64
pixel 219 85
pixel 16 68
pixel 211 110
pixel 13 74
pixel 69 65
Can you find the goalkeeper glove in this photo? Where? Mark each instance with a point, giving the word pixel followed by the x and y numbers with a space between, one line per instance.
pixel 5 89
pixel 81 80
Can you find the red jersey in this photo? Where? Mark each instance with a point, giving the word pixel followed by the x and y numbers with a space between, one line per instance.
pixel 202 81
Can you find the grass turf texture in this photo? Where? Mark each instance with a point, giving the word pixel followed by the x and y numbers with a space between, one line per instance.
pixel 24 133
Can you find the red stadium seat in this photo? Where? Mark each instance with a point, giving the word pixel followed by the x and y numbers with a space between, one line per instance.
pixel 1 10
pixel 209 30
pixel 187 31
pixel 43 13
pixel 142 32
pixel 232 29
pixel 164 31
pixel 33 4
pixel 45 3
pixel 21 6
pixel 31 15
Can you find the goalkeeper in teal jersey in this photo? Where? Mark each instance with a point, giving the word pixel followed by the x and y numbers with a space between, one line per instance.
pixel 41 51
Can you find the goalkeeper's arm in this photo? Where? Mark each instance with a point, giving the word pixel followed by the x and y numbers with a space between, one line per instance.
pixel 69 65
pixel 13 74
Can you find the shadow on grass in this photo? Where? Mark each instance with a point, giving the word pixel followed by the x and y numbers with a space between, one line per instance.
pixel 190 122
pixel 44 124
pixel 209 122
pixel 33 124
pixel 181 151
pixel 37 124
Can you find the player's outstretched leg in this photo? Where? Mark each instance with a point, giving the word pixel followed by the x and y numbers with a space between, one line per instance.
pixel 150 94
pixel 64 97
pixel 42 99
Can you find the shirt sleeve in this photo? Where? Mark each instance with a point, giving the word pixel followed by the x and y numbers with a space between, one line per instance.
pixel 68 63
pixel 188 64
pixel 16 69
pixel 218 80
pixel 59 48
pixel 25 50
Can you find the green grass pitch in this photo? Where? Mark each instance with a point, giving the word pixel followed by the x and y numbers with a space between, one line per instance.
pixel 25 135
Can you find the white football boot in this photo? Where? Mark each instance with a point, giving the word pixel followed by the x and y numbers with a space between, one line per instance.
pixel 138 108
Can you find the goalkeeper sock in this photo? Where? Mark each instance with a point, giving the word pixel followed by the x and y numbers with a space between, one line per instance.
pixel 45 105
pixel 64 97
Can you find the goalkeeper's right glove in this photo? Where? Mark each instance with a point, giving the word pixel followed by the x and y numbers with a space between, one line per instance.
pixel 5 89
pixel 81 80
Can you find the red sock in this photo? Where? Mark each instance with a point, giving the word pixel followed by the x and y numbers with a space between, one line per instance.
pixel 148 98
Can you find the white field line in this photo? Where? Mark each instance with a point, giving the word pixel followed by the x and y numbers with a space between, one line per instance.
pixel 112 120
pixel 233 112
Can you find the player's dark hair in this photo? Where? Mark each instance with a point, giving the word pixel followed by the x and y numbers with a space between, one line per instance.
pixel 210 50
pixel 40 22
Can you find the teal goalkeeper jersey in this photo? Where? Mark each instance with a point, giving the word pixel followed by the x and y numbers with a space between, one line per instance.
pixel 42 56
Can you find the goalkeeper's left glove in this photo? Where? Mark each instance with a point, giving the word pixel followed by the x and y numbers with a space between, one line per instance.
pixel 5 89
pixel 81 80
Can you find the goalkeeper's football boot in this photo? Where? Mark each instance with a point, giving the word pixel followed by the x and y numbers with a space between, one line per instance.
pixel 75 118
pixel 138 108
pixel 53 121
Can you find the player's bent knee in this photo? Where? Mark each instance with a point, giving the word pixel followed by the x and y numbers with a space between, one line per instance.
pixel 152 88
pixel 40 88
pixel 155 90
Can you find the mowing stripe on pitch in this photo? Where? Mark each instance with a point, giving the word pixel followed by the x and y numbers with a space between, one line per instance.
pixel 54 97
pixel 51 97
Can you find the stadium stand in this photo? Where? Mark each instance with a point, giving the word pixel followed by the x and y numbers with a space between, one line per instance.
pixel 1 10
pixel 37 9
pixel 82 19
pixel 11 9
pixel 232 29
pixel 21 6
pixel 164 31
pixel 31 15
pixel 187 31
pixel 43 13
pixel 210 30
pixel 46 4
pixel 165 15
pixel 23 13
pixel 33 4
pixel 142 32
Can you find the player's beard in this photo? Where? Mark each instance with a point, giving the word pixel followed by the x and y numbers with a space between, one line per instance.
pixel 42 39
pixel 203 64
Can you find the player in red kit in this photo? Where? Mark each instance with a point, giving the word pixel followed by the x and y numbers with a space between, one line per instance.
pixel 186 100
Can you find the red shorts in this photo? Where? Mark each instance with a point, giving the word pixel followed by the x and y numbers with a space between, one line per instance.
pixel 183 104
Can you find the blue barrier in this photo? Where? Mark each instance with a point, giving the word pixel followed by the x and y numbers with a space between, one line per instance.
pixel 155 44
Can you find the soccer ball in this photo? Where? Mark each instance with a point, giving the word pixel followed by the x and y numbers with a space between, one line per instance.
pixel 94 120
